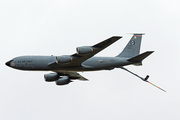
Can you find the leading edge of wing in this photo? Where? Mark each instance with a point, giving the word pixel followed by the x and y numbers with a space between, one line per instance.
pixel 107 42
pixel 78 59
pixel 99 47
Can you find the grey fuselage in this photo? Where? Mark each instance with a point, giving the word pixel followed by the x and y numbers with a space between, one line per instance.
pixel 40 63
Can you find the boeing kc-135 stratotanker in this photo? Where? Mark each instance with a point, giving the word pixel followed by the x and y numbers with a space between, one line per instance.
pixel 65 67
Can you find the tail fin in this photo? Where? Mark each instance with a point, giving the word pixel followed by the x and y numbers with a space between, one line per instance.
pixel 133 47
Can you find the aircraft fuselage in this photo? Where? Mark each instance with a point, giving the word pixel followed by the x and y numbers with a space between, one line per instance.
pixel 40 63
pixel 65 67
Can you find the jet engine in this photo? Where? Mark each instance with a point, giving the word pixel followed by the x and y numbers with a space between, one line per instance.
pixel 84 50
pixel 64 59
pixel 51 77
pixel 63 81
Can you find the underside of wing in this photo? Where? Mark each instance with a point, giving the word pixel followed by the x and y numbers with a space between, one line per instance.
pixel 72 75
pixel 83 53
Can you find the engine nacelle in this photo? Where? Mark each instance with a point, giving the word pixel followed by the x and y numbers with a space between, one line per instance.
pixel 51 77
pixel 63 81
pixel 64 59
pixel 84 50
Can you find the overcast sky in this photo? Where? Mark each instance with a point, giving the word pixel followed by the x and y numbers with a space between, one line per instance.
pixel 57 27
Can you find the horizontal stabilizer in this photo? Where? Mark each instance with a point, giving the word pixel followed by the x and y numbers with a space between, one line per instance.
pixel 140 57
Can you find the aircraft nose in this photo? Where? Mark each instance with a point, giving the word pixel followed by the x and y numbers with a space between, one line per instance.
pixel 8 63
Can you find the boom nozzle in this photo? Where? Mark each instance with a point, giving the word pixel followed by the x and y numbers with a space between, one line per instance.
pixel 156 86
pixel 144 79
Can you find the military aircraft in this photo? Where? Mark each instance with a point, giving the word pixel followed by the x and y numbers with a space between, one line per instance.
pixel 65 67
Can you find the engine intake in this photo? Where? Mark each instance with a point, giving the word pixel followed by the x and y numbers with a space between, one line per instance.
pixel 64 59
pixel 63 81
pixel 51 77
pixel 84 50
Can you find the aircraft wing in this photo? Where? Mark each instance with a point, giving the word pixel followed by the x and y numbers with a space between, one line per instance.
pixel 79 58
pixel 72 75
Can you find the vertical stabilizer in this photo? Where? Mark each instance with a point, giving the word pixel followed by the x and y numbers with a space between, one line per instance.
pixel 132 49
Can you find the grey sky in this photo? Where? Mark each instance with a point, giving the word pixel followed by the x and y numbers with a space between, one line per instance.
pixel 46 27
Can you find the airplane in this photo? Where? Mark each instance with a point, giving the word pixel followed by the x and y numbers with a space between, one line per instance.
pixel 66 67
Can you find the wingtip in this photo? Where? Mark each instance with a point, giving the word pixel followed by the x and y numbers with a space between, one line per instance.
pixel 150 52
pixel 83 79
pixel 117 36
